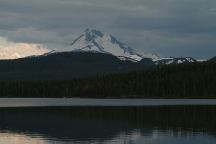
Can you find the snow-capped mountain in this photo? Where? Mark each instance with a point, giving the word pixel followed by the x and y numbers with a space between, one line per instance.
pixel 95 41
pixel 174 60
pixel 21 50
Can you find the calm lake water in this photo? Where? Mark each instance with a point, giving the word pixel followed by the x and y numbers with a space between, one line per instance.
pixel 109 125
pixel 77 102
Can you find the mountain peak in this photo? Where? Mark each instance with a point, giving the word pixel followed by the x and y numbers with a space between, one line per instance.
pixel 94 40
pixel 91 34
pixel 94 32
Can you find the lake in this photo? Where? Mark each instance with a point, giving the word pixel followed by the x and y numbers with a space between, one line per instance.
pixel 181 124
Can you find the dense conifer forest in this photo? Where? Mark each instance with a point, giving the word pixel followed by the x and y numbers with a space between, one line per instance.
pixel 192 80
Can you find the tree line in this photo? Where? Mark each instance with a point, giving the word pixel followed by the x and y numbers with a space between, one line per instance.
pixel 195 80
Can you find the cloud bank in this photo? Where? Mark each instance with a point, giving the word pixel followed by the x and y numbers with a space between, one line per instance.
pixel 168 27
pixel 11 50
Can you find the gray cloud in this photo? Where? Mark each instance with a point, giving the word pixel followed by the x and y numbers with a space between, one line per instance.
pixel 168 27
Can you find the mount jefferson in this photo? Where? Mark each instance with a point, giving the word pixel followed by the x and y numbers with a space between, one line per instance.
pixel 95 41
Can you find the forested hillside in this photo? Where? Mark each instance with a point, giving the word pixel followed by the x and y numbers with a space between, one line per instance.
pixel 67 65
pixel 195 80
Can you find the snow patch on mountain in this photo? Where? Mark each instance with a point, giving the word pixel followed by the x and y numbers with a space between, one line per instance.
pixel 12 50
pixel 174 60
pixel 94 40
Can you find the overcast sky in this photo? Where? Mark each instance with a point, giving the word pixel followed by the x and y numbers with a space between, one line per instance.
pixel 165 27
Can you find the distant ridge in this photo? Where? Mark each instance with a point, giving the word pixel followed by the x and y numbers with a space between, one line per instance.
pixel 213 59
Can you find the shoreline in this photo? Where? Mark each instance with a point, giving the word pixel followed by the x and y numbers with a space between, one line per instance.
pixel 81 102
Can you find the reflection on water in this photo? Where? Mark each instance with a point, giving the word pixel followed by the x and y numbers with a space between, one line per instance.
pixel 149 125
pixel 13 138
pixel 135 137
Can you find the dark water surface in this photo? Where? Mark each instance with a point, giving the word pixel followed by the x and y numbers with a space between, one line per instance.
pixel 109 125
